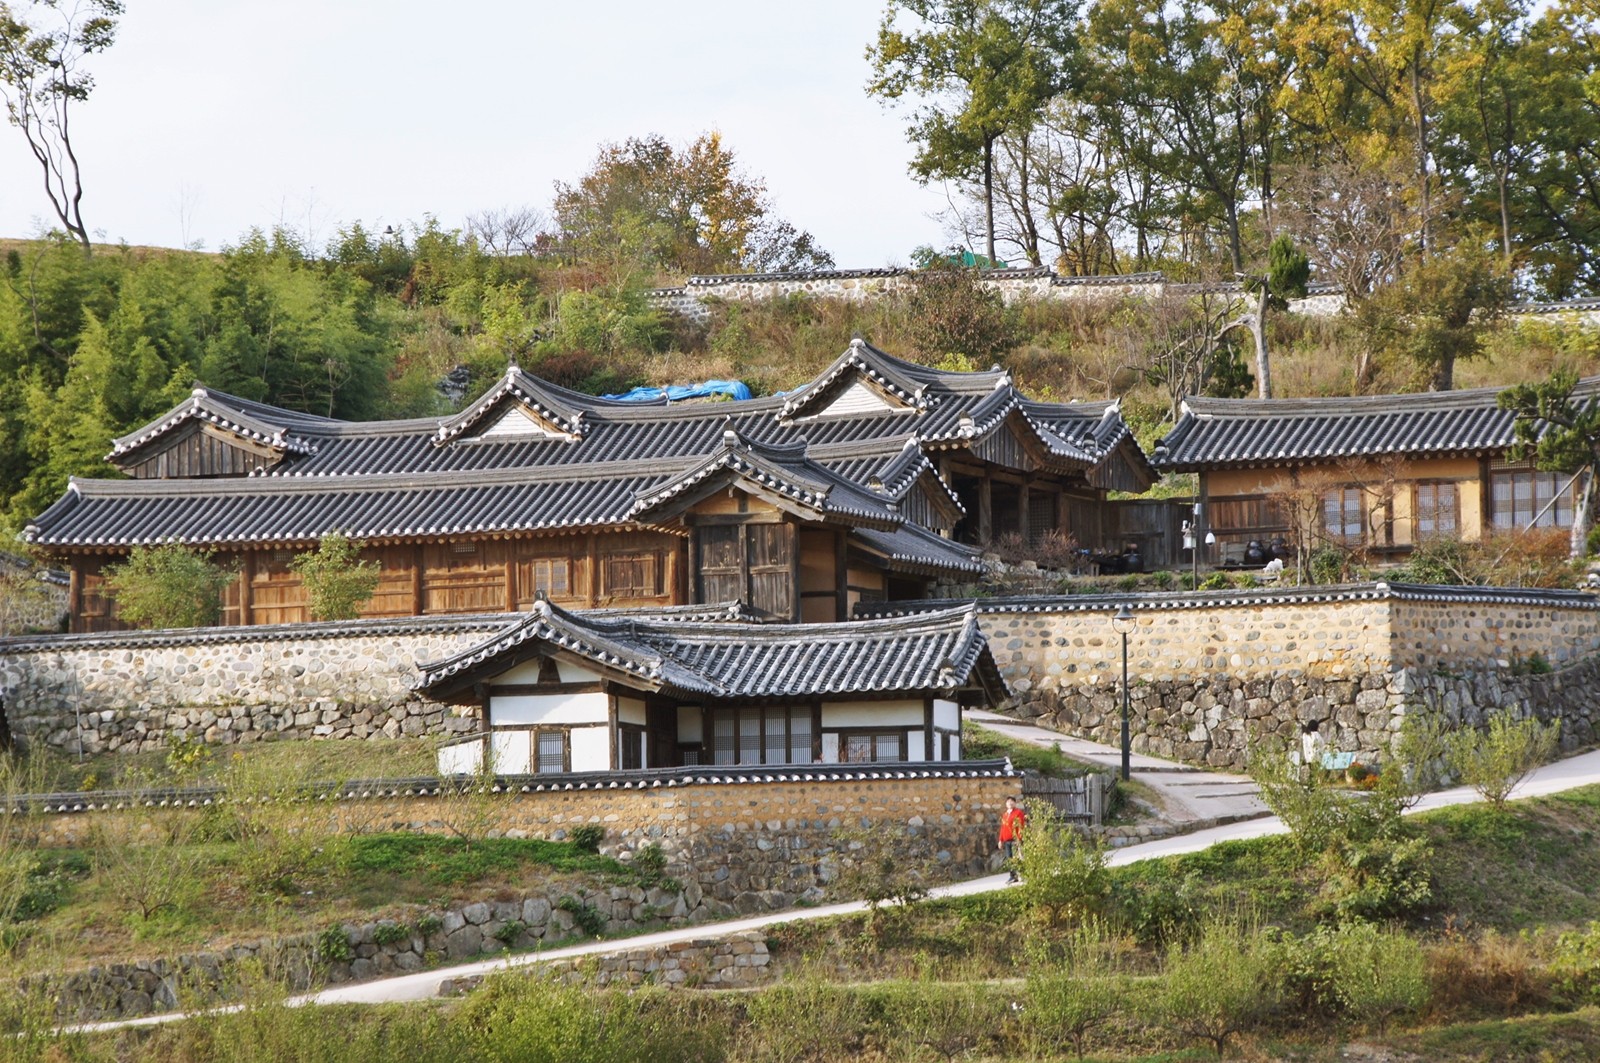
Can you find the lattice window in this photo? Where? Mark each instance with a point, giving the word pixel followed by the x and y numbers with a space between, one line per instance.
pixel 1437 507
pixel 1343 516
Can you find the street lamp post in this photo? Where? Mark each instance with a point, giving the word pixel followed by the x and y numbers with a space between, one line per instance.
pixel 1123 624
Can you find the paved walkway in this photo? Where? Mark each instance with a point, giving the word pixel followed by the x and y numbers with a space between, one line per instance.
pixel 1577 771
pixel 1187 794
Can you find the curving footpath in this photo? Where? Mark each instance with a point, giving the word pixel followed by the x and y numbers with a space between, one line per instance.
pixel 1582 770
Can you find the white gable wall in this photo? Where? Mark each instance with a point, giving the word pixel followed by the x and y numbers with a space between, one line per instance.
pixel 855 399
pixel 517 421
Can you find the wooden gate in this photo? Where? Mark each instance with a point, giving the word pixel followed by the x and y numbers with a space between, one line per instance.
pixel 1081 798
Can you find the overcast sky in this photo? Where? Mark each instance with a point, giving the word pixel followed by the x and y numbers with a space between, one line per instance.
pixel 211 116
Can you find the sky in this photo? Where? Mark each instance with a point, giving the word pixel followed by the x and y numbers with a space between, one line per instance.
pixel 209 117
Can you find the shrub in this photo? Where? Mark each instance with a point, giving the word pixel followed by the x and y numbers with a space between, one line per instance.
pixel 650 866
pixel 585 916
pixel 1158 908
pixel 1498 757
pixel 886 879
pixel 393 933
pixel 1379 878
pixel 1328 565
pixel 1221 985
pixel 514 1017
pixel 429 924
pixel 1377 974
pixel 806 1019
pixel 333 946
pixel 1072 995
pixel 587 836
pixel 950 311
pixel 1064 874
pixel 1576 965
pixel 508 932
pixel 168 586
pixel 338 583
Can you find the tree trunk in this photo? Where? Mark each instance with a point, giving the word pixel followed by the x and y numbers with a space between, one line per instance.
pixel 988 196
pixel 1258 332
pixel 1583 517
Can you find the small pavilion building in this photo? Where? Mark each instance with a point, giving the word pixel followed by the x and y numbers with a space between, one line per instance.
pixel 563 692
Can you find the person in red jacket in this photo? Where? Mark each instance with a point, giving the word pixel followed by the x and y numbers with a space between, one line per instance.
pixel 1012 821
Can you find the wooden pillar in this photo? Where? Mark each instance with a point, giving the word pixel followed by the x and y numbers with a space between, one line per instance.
pixel 247 578
pixel 1485 499
pixel 75 596
pixel 511 575
pixel 841 557
pixel 417 596
pixel 1024 524
pixel 985 512
pixel 594 570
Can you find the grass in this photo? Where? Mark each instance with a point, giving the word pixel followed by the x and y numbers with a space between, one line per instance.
pixel 356 879
pixel 980 743
pixel 331 761
pixel 443 863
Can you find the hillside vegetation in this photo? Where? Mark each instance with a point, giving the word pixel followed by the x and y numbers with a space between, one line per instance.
pixel 371 327
pixel 1233 948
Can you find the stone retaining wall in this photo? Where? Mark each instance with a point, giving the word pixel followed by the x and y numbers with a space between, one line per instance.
pixel 738 847
pixel 134 690
pixel 1211 720
pixel 737 961
pixel 369 950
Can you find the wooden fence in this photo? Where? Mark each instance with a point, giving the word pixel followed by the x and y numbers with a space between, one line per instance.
pixel 1081 798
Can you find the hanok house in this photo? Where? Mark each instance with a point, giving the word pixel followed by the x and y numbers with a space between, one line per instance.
pixel 562 692
pixel 1382 472
pixel 868 483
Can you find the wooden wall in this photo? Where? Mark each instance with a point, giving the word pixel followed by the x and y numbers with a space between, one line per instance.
pixel 201 450
pixel 471 576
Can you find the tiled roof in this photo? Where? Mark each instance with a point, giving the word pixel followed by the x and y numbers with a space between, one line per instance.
pixel 1218 433
pixel 1158 601
pixel 77 802
pixel 238 416
pixel 600 462
pixel 920 654
pixel 784 473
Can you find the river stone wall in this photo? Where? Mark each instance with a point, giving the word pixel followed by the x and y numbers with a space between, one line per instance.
pixel 1347 664
pixel 1013 285
pixel 133 691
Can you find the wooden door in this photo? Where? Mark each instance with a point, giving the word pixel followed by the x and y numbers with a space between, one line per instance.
pixel 770 550
pixel 720 572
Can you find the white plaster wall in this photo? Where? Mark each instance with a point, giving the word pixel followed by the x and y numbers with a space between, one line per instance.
pixel 463 759
pixel 916 746
pixel 690 724
pixel 946 714
pixel 548 708
pixel 512 753
pixel 871 714
pixel 630 710
pixel 591 749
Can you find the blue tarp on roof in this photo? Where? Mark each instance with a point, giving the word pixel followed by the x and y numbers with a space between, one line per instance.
pixel 677 392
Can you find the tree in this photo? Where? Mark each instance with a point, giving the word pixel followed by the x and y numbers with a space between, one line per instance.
pixel 1439 309
pixel 1064 875
pixel 645 204
pixel 1288 270
pixel 168 586
pixel 42 80
pixel 951 312
pixel 1220 985
pixel 1495 760
pixel 1561 433
pixel 338 583
pixel 984 68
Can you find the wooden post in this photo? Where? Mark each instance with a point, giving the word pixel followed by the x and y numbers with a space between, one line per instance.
pixel 418 560
pixel 75 596
pixel 985 513
pixel 1024 524
pixel 247 577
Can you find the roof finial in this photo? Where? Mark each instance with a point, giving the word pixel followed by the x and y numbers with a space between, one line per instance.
pixel 856 342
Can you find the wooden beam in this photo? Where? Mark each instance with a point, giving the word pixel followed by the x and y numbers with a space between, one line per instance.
pixel 417 562
pixel 75 596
